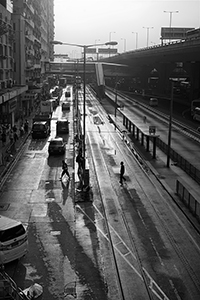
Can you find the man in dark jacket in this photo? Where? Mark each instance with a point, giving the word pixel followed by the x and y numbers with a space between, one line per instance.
pixel 122 171
pixel 64 170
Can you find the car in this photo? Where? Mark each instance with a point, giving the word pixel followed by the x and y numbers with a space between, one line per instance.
pixel 153 102
pixel 67 94
pixel 13 240
pixel 62 126
pixel 56 146
pixel 66 106
pixel 40 129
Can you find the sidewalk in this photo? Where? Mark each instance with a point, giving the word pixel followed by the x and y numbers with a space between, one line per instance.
pixel 166 176
pixel 9 151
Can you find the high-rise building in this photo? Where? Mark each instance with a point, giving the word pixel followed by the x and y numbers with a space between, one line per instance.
pixel 26 30
pixel 9 94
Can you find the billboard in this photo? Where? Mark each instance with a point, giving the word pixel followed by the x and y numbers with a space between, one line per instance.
pixel 91 50
pixel 174 33
pixel 107 50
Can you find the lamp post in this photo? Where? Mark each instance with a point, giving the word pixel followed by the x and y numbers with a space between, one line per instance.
pixel 110 33
pixel 170 123
pixel 84 47
pixel 97 49
pixel 136 44
pixel 124 44
pixel 178 75
pixel 147 28
pixel 170 17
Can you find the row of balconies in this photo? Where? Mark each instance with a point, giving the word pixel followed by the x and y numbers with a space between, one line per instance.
pixel 5 84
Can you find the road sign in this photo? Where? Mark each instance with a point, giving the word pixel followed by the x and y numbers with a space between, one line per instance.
pixel 152 129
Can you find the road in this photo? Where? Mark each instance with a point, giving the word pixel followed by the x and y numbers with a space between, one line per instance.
pixel 114 246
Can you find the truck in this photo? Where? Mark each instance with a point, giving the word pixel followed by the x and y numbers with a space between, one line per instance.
pixel 46 107
pixel 41 126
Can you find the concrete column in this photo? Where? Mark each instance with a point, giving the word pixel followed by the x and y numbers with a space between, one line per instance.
pixel 154 147
pixel 142 139
pixel 147 139
pixel 133 132
pixel 137 131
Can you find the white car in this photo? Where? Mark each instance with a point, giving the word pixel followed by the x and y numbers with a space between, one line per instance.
pixel 56 146
pixel 13 240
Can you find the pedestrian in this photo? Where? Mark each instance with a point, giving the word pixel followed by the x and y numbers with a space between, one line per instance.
pixel 21 130
pixel 122 171
pixel 26 126
pixel 15 136
pixel 14 128
pixel 3 138
pixel 11 135
pixel 64 170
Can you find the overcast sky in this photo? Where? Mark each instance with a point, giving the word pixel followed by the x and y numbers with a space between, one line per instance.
pixel 95 21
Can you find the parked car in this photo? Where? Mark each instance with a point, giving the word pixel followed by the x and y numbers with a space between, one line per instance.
pixel 62 126
pixel 56 146
pixel 13 240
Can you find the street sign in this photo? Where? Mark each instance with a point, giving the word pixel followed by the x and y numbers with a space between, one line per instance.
pixel 152 129
pixel 174 33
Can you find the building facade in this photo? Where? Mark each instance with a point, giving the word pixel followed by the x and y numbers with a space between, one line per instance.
pixel 26 29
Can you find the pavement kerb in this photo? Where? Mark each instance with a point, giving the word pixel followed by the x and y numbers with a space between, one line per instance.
pixel 19 145
pixel 143 162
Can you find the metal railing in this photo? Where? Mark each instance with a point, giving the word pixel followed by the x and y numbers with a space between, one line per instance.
pixel 189 198
pixel 9 289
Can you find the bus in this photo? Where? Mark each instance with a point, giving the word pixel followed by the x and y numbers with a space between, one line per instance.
pixel 196 115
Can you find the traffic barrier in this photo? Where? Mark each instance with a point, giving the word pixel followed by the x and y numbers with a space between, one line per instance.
pixel 9 289
pixel 189 197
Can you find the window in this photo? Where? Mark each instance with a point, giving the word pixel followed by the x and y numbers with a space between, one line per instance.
pixel 11 233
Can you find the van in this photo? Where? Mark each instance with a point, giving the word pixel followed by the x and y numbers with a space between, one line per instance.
pixel 62 127
pixel 13 240
pixel 40 129
pixel 153 102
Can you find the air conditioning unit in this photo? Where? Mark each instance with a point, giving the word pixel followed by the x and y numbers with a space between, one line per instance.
pixel 4 84
pixel 10 83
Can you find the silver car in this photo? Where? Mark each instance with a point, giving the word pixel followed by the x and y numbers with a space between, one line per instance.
pixel 56 146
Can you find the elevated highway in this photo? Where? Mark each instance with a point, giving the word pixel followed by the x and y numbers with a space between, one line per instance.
pixel 146 68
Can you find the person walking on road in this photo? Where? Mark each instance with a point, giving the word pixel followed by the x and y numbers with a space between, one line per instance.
pixel 26 126
pixel 64 170
pixel 122 171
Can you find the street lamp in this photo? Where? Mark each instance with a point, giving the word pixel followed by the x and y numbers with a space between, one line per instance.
pixel 136 33
pixel 97 49
pixel 170 17
pixel 178 75
pixel 124 44
pixel 110 43
pixel 110 38
pixel 147 28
